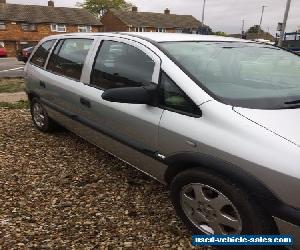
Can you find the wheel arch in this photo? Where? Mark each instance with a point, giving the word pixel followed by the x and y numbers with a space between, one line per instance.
pixel 31 95
pixel 184 161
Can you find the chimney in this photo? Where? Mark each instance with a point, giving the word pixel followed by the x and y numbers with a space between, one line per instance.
pixel 2 1
pixel 167 11
pixel 50 3
pixel 134 9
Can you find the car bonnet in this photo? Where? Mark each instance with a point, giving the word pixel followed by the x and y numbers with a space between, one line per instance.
pixel 283 122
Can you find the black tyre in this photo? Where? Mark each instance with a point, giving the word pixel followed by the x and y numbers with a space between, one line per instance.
pixel 211 204
pixel 40 118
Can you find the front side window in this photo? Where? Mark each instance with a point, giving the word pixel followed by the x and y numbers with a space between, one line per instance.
pixel 28 27
pixel 241 74
pixel 69 56
pixel 2 25
pixel 40 56
pixel 121 65
pixel 84 29
pixel 174 99
pixel 58 27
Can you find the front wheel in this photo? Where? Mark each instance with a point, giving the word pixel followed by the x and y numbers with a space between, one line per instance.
pixel 210 204
pixel 40 118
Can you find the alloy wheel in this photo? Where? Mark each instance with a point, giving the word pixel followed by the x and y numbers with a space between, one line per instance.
pixel 38 115
pixel 210 210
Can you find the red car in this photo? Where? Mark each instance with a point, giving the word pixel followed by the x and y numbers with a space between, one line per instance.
pixel 3 52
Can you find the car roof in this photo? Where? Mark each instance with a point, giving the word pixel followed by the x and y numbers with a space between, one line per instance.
pixel 157 36
pixel 175 37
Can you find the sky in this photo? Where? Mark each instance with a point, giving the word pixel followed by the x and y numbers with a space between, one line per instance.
pixel 220 15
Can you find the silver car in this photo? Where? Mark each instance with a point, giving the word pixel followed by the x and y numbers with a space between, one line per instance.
pixel 215 119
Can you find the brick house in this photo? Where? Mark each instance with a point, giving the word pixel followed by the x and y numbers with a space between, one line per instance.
pixel 118 20
pixel 24 25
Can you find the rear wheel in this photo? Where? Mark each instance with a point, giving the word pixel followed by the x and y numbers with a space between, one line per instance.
pixel 210 204
pixel 40 118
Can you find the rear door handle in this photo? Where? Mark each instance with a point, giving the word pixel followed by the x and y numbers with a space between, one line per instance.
pixel 85 102
pixel 42 84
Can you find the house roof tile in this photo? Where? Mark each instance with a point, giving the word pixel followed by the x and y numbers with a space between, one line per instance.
pixel 157 20
pixel 46 14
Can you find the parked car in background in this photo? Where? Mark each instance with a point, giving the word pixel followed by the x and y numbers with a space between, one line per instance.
pixel 3 52
pixel 214 118
pixel 25 54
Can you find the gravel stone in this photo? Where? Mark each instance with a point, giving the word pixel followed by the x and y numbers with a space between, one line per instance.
pixel 57 191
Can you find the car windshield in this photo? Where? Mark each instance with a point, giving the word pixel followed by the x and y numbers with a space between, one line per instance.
pixel 241 74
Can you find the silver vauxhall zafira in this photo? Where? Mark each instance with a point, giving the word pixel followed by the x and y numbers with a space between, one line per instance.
pixel 216 119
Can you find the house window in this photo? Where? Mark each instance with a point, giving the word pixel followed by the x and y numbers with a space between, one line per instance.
pixel 58 27
pixel 2 25
pixel 160 30
pixel 28 26
pixel 139 29
pixel 82 28
pixel 178 30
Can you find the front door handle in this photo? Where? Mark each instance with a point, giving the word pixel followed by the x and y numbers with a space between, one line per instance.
pixel 85 102
pixel 42 84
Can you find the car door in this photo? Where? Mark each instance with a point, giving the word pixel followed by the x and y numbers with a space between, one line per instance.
pixel 35 71
pixel 130 130
pixel 180 120
pixel 62 78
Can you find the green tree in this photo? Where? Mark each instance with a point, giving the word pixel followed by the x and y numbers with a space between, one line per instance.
pixel 100 7
pixel 220 33
pixel 255 29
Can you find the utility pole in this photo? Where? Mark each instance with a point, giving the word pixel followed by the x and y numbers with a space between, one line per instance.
pixel 203 13
pixel 261 19
pixel 286 15
pixel 243 26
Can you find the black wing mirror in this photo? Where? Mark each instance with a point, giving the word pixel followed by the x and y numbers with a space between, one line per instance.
pixel 132 95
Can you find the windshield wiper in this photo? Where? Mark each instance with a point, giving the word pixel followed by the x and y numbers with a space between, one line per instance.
pixel 293 102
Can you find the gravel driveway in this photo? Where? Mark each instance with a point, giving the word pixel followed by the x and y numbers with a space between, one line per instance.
pixel 13 97
pixel 59 192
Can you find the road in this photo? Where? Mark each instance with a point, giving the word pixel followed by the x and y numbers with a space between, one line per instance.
pixel 11 67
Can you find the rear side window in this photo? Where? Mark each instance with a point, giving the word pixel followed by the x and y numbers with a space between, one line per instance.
pixel 69 56
pixel 40 56
pixel 121 65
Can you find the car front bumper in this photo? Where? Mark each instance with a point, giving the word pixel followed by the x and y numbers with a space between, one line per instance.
pixel 288 228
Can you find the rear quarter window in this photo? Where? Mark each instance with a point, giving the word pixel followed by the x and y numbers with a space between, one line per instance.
pixel 40 56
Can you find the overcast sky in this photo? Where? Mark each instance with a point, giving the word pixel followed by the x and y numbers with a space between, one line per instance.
pixel 224 15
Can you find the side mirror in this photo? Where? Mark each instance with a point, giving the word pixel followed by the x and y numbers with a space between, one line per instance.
pixel 132 95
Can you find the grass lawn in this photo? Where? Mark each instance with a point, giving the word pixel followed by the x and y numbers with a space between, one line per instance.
pixel 15 105
pixel 11 85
